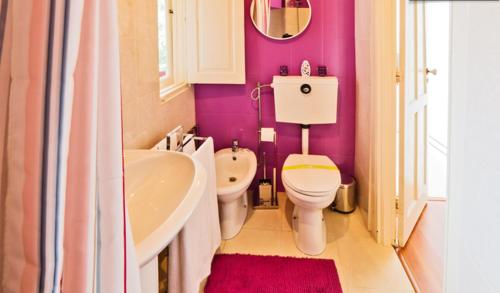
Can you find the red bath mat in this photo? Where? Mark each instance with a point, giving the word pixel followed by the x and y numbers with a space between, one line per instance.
pixel 254 273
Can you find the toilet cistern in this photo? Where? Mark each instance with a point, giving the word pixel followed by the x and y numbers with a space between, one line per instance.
pixel 305 100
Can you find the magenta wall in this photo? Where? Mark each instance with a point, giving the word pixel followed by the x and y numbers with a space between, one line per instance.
pixel 226 112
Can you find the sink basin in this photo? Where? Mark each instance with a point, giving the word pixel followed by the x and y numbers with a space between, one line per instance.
pixel 162 190
pixel 235 172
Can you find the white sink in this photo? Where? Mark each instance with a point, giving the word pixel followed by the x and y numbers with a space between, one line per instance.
pixel 162 190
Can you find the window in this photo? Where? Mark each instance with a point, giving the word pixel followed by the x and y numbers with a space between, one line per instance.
pixel 165 42
pixel 170 47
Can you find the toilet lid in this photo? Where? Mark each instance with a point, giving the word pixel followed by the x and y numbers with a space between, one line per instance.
pixel 311 174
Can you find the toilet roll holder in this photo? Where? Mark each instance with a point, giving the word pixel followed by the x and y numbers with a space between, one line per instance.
pixel 265 186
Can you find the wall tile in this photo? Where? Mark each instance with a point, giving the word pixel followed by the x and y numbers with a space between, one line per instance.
pixel 146 119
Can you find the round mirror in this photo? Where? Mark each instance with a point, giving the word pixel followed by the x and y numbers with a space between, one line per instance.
pixel 280 19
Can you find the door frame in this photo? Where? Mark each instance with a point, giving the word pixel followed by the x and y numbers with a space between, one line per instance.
pixel 385 77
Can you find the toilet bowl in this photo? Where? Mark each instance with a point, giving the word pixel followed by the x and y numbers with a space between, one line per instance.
pixel 311 183
pixel 235 172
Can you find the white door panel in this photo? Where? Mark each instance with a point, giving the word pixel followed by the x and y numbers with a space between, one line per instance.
pixel 413 118
pixel 216 41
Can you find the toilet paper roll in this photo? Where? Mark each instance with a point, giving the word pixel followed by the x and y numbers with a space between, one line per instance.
pixel 267 134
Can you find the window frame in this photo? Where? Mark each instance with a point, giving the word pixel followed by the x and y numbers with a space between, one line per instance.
pixel 168 79
pixel 176 79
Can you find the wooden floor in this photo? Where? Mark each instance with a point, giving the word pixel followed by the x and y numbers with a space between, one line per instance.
pixel 423 255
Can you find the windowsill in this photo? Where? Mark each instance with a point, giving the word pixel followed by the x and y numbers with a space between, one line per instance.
pixel 172 91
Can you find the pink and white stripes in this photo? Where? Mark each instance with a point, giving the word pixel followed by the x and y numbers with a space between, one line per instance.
pixel 62 211
pixel 262 15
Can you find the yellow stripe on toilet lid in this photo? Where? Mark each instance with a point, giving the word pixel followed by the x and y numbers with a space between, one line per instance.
pixel 307 166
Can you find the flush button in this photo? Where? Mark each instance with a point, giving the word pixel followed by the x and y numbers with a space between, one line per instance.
pixel 305 88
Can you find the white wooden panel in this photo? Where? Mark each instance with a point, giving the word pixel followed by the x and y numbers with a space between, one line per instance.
pixel 473 219
pixel 413 119
pixel 216 41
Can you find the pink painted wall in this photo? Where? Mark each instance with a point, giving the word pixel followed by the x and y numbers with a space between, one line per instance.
pixel 276 3
pixel 226 112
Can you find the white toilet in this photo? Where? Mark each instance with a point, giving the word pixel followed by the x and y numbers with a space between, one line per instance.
pixel 310 181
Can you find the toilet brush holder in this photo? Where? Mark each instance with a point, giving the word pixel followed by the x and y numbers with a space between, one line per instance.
pixel 265 199
pixel 265 191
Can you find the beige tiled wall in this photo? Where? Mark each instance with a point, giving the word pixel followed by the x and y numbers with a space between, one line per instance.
pixel 146 118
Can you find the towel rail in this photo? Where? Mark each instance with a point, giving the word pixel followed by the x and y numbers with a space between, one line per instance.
pixel 187 138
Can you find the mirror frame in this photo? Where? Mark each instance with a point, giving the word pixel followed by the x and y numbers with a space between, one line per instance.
pixel 252 5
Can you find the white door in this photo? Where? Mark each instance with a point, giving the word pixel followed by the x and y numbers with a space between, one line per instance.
pixel 413 119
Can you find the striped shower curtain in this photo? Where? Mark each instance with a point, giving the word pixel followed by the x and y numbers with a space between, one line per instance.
pixel 262 15
pixel 63 222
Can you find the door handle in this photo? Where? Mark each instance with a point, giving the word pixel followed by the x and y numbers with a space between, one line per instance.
pixel 431 71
